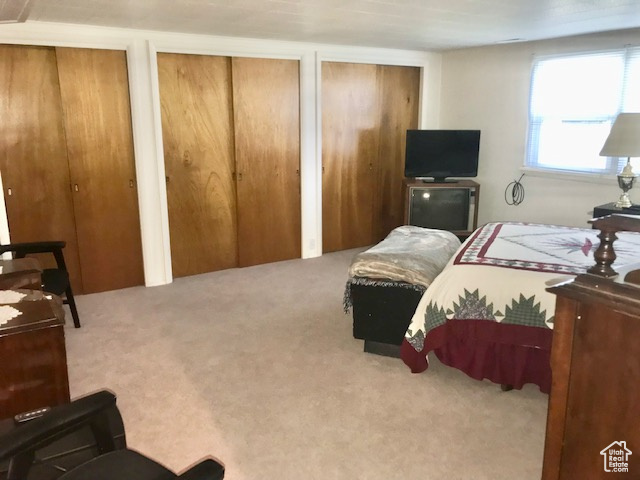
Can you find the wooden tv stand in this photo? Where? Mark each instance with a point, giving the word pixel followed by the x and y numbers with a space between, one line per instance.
pixel 413 186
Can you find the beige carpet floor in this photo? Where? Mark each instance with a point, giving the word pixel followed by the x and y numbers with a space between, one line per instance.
pixel 258 368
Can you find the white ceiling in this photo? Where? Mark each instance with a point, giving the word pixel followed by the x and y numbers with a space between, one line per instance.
pixel 404 24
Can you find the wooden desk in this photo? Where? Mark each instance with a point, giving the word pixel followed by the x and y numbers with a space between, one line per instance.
pixel 34 361
pixel 20 273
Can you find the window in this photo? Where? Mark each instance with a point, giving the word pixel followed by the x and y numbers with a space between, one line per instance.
pixel 574 101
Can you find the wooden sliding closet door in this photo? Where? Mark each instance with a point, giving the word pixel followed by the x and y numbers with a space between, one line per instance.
pixel 366 111
pixel 197 130
pixel 33 153
pixel 399 93
pixel 97 118
pixel 267 143
pixel 350 130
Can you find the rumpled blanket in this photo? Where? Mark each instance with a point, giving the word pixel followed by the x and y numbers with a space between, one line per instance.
pixel 408 254
pixel 409 257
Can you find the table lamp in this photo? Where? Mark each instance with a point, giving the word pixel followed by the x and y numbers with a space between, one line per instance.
pixel 624 141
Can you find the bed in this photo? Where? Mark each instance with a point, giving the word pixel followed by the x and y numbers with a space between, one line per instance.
pixel 488 313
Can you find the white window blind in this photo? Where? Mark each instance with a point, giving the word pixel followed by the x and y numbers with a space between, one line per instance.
pixel 574 101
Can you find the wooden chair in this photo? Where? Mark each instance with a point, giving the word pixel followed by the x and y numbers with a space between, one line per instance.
pixel 54 280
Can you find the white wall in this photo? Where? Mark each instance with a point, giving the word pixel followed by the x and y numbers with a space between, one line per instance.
pixel 142 46
pixel 488 89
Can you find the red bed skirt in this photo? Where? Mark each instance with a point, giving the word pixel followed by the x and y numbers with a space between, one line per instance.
pixel 503 353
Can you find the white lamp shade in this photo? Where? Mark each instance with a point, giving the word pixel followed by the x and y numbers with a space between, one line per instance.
pixel 624 138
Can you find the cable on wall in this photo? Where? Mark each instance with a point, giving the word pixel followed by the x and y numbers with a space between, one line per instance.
pixel 514 193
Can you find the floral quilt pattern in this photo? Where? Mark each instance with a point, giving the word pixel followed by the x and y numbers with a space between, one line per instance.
pixel 502 271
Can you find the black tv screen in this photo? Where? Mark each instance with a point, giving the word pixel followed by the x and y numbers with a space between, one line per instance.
pixel 442 153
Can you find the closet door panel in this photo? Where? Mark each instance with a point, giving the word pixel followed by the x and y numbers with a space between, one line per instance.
pixel 33 153
pixel 350 131
pixel 197 130
pixel 97 118
pixel 399 94
pixel 266 105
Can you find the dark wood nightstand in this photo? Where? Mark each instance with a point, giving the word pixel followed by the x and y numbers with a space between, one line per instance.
pixel 610 209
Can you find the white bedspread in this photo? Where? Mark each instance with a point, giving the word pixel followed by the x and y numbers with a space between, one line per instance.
pixel 501 272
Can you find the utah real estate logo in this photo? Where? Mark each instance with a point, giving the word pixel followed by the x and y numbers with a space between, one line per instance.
pixel 616 457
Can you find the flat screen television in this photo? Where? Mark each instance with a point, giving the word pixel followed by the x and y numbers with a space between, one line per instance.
pixel 439 154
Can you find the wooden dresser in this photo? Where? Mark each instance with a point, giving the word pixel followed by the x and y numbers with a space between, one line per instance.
pixel 593 423
pixel 33 360
pixel 20 273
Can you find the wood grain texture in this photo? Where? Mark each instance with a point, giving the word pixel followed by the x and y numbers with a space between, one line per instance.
pixel 33 153
pixel 350 127
pixel 195 93
pixel 266 105
pixel 34 370
pixel 366 110
pixel 97 117
pixel 595 361
pixel 604 399
pixel 44 381
pixel 561 348
pixel 399 92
